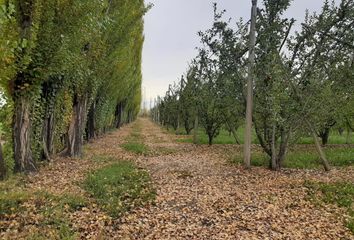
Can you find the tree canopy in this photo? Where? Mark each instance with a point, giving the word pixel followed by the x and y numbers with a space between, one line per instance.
pixel 71 70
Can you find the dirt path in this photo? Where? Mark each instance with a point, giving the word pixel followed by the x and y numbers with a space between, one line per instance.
pixel 201 196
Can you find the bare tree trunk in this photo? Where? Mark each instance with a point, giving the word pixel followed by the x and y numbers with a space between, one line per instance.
pixel 48 136
pixel 325 136
pixel 77 127
pixel 48 97
pixel 22 105
pixel 210 139
pixel 248 130
pixel 158 117
pixel 121 117
pixel 177 125
pixel 274 164
pixel 3 170
pixel 233 132
pixel 318 147
pixel 195 131
pixel 118 114
pixel 284 140
pixel 130 116
pixel 91 122
pixel 186 127
pixel 22 136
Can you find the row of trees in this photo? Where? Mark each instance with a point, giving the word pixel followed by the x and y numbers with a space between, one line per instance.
pixel 303 83
pixel 70 70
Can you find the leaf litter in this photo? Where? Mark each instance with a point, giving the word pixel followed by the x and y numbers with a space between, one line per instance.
pixel 199 195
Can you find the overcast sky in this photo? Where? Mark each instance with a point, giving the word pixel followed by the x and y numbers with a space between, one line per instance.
pixel 171 28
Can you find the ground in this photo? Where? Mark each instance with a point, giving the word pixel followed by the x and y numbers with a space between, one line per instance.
pixel 200 194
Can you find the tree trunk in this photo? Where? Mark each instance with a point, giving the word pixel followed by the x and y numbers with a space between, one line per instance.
pixel 187 126
pixel 177 124
pixel 48 97
pixel 325 135
pixel 118 115
pixel 195 132
pixel 91 122
pixel 48 136
pixel 284 139
pixel 22 135
pixel 128 116
pixel 249 101
pixel 233 132
pixel 3 170
pixel 210 138
pixel 22 105
pixel 264 146
pixel 318 147
pixel 77 127
pixel 158 117
pixel 274 164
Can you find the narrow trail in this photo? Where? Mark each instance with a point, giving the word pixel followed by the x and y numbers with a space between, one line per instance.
pixel 201 196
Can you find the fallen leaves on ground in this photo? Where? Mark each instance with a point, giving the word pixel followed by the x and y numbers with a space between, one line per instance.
pixel 200 195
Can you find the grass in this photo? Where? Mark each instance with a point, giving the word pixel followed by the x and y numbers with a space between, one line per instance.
pixel 103 158
pixel 136 147
pixel 334 138
pixel 134 142
pixel 305 158
pixel 119 187
pixel 339 193
pixel 225 138
pixel 12 202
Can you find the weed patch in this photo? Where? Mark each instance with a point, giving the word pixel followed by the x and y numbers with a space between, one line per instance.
pixel 305 158
pixel 119 187
pixel 136 147
pixel 50 213
pixel 340 193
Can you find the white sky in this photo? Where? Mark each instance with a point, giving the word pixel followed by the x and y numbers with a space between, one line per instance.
pixel 171 28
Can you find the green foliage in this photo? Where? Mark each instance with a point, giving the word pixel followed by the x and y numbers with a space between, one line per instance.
pixel 119 187
pixel 60 56
pixel 302 79
pixel 8 155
